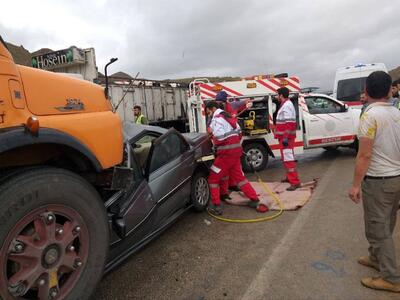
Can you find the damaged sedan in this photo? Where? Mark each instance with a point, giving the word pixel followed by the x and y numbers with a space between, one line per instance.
pixel 167 176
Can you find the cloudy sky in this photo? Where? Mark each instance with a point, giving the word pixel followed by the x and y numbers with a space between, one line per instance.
pixel 173 39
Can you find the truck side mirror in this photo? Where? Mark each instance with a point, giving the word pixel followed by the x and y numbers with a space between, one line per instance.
pixel 345 107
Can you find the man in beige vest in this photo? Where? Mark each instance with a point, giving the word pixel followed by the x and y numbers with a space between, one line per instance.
pixel 377 180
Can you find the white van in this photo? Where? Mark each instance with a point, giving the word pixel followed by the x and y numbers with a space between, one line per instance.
pixel 350 82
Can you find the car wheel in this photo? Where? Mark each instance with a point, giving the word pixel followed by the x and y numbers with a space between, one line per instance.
pixel 54 236
pixel 257 155
pixel 200 193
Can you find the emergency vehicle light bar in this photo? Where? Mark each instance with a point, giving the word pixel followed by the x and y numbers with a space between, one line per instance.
pixel 251 96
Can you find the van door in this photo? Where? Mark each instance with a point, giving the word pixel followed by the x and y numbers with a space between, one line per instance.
pixel 327 122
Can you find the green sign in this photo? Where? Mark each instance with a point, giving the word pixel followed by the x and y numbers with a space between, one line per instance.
pixel 53 59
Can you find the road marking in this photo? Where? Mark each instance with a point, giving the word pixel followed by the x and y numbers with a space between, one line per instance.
pixel 258 287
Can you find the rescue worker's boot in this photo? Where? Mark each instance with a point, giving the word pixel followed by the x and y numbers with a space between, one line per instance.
pixel 293 187
pixel 234 188
pixel 215 209
pixel 225 197
pixel 260 207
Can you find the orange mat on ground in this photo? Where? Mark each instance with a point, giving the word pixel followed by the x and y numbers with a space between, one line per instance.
pixel 290 200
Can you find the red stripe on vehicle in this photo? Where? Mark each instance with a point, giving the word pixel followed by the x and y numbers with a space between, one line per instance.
pixel 332 139
pixel 207 93
pixel 352 103
pixel 207 90
pixel 278 146
pixel 207 87
pixel 296 79
pixel 276 82
pixel 266 85
pixel 295 87
pixel 230 90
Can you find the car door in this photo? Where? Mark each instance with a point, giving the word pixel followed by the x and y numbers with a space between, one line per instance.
pixel 134 217
pixel 327 122
pixel 169 170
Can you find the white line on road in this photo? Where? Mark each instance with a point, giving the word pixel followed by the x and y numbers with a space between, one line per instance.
pixel 258 287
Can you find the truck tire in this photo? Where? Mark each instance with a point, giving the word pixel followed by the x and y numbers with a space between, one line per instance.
pixel 50 221
pixel 200 191
pixel 258 156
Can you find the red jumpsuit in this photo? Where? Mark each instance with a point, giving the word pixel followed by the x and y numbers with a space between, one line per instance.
pixel 227 164
pixel 286 129
pixel 234 108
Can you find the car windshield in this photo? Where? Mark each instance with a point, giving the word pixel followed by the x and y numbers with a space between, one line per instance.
pixel 350 89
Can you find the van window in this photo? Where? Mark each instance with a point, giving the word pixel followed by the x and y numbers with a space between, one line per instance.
pixel 350 89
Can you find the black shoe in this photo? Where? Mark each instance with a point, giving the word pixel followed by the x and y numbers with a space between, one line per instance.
pixel 215 209
pixel 293 187
pixel 234 188
pixel 253 203
pixel 225 197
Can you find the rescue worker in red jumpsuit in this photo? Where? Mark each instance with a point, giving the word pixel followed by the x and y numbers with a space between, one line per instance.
pixel 285 132
pixel 234 108
pixel 226 137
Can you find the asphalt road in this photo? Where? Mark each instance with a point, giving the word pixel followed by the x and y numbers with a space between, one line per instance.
pixel 307 254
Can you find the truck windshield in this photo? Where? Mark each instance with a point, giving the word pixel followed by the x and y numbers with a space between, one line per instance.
pixel 350 89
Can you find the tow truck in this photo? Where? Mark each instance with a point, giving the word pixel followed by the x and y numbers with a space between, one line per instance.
pixel 322 121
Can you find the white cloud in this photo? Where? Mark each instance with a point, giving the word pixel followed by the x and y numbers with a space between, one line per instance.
pixel 167 39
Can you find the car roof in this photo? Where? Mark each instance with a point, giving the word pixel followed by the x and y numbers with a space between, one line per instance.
pixel 322 95
pixel 316 95
pixel 131 130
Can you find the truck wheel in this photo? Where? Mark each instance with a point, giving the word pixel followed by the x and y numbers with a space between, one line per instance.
pixel 257 155
pixel 200 193
pixel 53 236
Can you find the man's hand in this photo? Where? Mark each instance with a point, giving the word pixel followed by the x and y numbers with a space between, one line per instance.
pixel 285 142
pixel 249 104
pixel 355 194
pixel 360 170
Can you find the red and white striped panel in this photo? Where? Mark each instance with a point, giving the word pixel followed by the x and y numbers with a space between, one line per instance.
pixel 302 103
pixel 239 88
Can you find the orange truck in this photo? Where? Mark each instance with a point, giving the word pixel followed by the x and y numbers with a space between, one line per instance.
pixel 71 203
pixel 77 138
